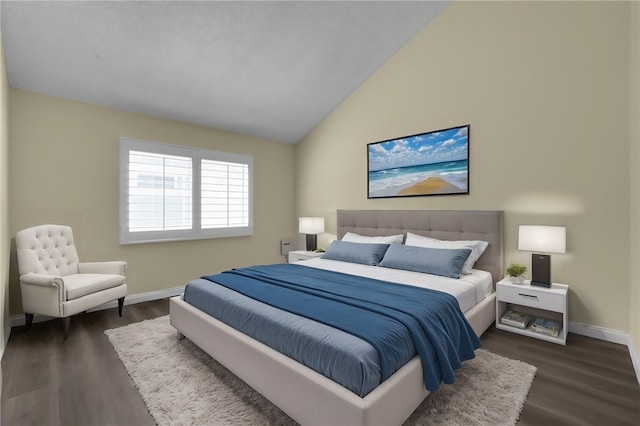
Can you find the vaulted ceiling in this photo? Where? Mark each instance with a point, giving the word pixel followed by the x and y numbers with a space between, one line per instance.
pixel 268 69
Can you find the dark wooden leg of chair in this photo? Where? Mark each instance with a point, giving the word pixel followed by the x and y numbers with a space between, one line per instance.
pixel 120 305
pixel 28 320
pixel 65 325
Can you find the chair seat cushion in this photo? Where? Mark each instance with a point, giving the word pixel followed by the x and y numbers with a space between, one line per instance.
pixel 79 285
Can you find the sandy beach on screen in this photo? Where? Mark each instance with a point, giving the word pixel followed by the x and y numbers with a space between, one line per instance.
pixel 432 185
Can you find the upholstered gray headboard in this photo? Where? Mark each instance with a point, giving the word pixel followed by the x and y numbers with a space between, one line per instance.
pixel 486 225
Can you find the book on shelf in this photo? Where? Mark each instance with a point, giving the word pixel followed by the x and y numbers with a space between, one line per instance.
pixel 546 326
pixel 515 319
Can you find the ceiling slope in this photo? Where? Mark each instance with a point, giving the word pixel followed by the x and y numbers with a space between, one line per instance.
pixel 268 69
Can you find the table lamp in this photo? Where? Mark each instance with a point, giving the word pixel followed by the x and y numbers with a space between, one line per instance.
pixel 311 226
pixel 548 239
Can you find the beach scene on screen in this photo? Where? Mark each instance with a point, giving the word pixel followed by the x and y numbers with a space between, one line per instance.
pixel 424 164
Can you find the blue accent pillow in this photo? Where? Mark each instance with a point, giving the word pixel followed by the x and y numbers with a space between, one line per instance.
pixel 367 254
pixel 444 262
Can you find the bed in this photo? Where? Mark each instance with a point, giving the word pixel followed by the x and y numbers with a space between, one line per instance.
pixel 311 398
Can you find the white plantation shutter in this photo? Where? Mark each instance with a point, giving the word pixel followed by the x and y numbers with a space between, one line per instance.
pixel 172 192
pixel 224 194
pixel 160 194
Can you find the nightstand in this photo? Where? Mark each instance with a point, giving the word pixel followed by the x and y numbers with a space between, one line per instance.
pixel 550 303
pixel 297 255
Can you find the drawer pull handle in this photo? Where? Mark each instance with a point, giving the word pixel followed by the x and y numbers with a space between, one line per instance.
pixel 528 295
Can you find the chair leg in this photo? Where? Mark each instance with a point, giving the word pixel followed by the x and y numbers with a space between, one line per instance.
pixel 28 320
pixel 120 305
pixel 65 327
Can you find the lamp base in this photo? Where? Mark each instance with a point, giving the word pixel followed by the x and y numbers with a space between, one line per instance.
pixel 541 270
pixel 312 242
pixel 539 284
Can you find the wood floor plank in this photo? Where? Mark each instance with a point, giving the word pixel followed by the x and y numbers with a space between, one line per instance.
pixel 81 381
pixel 83 376
pixel 35 407
pixel 587 382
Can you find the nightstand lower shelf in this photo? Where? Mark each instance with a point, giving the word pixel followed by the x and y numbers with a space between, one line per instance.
pixel 528 332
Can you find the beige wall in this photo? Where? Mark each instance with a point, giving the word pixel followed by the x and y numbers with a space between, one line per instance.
pixel 545 87
pixel 5 236
pixel 64 169
pixel 634 113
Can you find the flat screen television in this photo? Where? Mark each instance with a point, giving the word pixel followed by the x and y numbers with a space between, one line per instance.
pixel 430 163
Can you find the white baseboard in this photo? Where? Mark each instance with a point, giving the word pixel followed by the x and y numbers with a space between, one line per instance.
pixel 609 335
pixel 18 320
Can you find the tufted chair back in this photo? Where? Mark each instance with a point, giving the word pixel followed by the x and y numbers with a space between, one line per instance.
pixel 47 249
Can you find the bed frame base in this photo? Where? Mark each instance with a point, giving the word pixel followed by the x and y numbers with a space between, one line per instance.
pixel 306 396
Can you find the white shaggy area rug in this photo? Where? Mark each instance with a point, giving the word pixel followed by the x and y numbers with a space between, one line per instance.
pixel 182 385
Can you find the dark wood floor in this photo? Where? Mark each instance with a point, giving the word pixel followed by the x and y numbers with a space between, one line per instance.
pixel 587 382
pixel 81 381
pixel 47 381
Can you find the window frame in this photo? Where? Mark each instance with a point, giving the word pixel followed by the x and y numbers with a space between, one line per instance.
pixel 197 155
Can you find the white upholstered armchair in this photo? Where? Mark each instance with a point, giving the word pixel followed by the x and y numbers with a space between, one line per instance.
pixel 55 283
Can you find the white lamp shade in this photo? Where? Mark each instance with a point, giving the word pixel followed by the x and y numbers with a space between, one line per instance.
pixel 311 225
pixel 549 239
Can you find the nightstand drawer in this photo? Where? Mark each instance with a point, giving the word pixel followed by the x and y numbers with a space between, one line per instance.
pixel 530 296
pixel 298 255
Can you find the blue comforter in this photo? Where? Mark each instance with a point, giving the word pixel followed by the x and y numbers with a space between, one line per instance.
pixel 393 318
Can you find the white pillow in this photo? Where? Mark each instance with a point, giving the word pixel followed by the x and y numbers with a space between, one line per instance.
pixel 350 237
pixel 477 247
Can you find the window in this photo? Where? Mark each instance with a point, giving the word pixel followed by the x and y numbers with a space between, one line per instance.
pixel 170 192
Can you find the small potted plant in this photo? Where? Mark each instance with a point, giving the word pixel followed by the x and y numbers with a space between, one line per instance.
pixel 515 271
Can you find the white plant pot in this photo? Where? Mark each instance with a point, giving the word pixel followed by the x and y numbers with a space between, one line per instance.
pixel 516 280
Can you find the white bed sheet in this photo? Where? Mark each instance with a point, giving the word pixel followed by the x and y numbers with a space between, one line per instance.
pixel 469 290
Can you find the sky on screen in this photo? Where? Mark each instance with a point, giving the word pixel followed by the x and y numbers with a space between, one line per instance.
pixel 426 148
